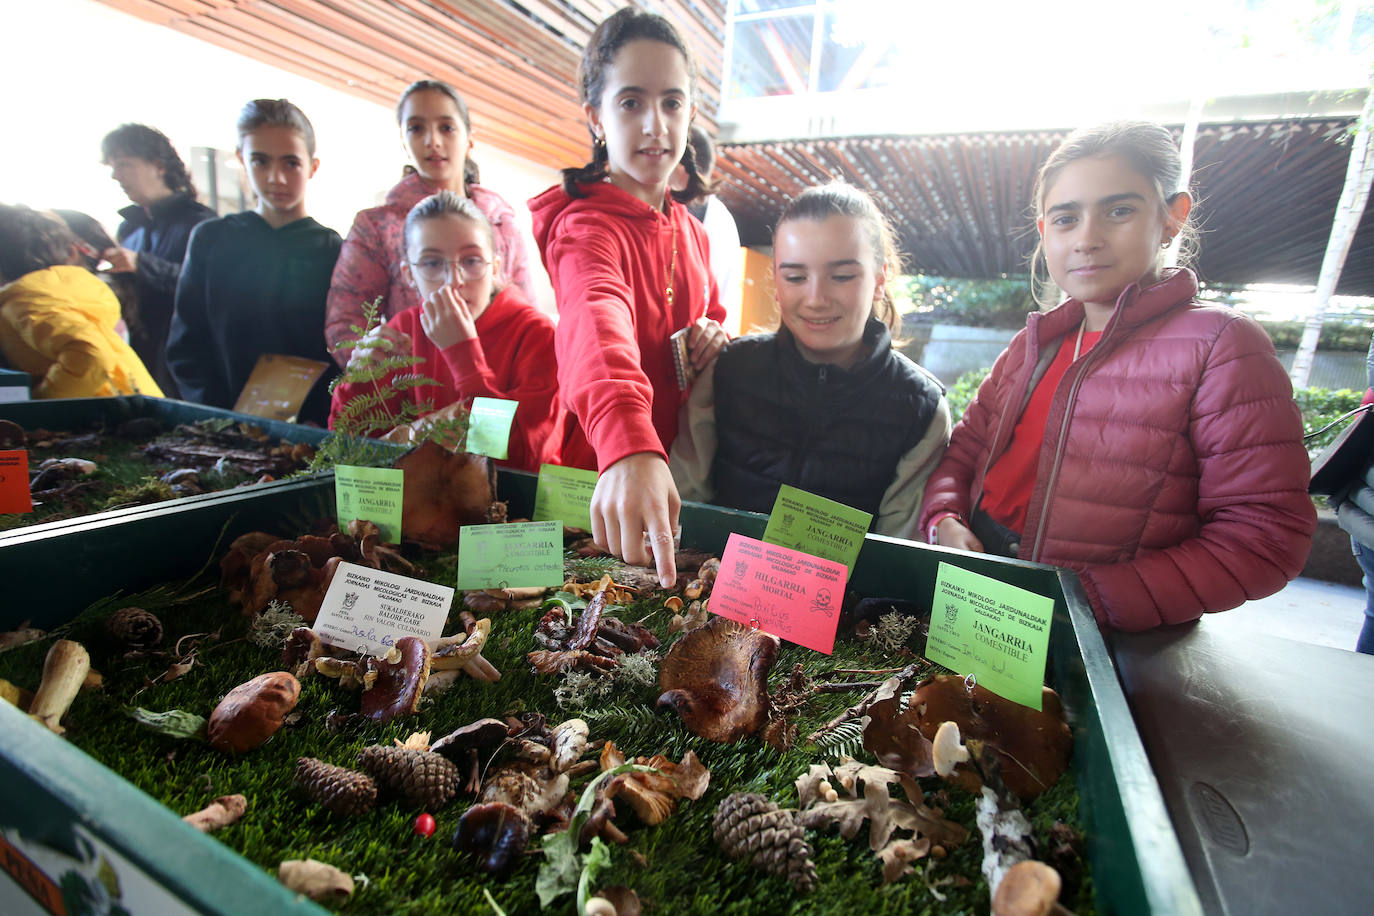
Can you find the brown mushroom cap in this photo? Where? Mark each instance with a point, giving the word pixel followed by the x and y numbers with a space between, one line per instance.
pixel 301 649
pixel 443 492
pixel 495 832
pixel 400 682
pixel 482 733
pixel 1028 888
pixel 716 678
pixel 252 712
pixel 1032 747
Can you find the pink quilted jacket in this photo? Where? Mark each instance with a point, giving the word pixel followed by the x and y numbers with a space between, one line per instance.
pixel 369 265
pixel 1172 476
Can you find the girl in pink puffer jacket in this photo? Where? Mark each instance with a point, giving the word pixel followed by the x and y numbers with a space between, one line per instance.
pixel 1144 439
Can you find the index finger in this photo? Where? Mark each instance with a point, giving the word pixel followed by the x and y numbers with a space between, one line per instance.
pixel 665 558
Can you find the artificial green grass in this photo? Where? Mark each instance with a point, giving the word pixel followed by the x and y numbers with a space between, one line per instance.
pixel 124 476
pixel 675 867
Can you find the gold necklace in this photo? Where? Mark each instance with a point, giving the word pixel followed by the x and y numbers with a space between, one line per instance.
pixel 672 264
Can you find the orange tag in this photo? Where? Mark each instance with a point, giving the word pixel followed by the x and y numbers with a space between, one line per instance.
pixel 14 482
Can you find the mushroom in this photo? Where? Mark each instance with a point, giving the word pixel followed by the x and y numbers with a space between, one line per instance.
pixel 64 671
pixel 716 678
pixel 316 880
pixel 1029 748
pixel 492 600
pixel 223 811
pixel 1029 888
pixel 465 651
pixel 302 647
pixel 252 712
pixel 947 751
pixel 495 832
pixel 400 682
pixel 465 746
pixel 443 492
pixel 352 673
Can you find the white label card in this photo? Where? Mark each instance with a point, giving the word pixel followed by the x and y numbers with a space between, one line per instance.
pixel 367 610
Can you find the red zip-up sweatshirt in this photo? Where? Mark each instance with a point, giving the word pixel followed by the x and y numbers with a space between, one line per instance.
pixel 608 255
pixel 511 358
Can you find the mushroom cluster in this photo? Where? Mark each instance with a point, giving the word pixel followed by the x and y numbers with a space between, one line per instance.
pixel 594 640
pixel 444 491
pixel 260 568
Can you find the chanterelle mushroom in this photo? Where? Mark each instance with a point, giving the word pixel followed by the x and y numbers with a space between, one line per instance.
pixel 716 678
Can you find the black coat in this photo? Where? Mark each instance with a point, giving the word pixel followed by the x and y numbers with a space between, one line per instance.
pixel 159 234
pixel 837 433
pixel 248 289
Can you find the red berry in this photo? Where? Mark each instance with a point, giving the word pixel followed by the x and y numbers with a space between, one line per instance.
pixel 424 825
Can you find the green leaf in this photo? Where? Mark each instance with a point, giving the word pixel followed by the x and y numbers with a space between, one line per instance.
pixel 175 723
pixel 596 861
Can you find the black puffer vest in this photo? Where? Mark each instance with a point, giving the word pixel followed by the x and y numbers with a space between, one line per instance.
pixel 838 433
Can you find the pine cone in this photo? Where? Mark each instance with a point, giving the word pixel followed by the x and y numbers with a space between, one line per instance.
pixel 747 825
pixel 423 779
pixel 339 789
pixel 134 628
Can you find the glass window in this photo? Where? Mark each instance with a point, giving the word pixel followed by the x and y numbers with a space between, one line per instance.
pixel 771 57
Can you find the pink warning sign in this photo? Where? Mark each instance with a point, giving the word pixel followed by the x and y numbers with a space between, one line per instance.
pixel 781 591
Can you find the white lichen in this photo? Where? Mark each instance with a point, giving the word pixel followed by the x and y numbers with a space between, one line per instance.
pixel 270 628
pixel 893 632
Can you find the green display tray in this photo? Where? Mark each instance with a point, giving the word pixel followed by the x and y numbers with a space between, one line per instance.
pixel 46 785
pixel 65 414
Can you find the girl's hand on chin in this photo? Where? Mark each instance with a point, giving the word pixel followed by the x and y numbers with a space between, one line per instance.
pixel 707 339
pixel 446 318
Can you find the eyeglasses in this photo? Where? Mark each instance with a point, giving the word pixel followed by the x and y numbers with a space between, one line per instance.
pixel 434 269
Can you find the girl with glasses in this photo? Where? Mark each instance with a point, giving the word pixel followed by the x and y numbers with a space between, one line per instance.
pixel 477 338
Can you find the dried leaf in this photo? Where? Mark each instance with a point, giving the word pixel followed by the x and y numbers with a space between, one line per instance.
pixel 893 734
pixel 177 669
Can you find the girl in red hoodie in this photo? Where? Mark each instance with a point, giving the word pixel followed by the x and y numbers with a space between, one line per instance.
pixel 477 339
pixel 437 135
pixel 629 267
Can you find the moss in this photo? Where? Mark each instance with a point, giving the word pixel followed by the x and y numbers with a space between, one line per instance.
pixel 675 868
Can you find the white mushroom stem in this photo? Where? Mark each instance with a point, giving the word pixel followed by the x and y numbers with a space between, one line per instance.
pixel 1006 836
pixel 947 752
pixel 223 811
pixel 483 670
pixel 64 671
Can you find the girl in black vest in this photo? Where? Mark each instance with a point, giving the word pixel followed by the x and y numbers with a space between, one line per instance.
pixel 823 404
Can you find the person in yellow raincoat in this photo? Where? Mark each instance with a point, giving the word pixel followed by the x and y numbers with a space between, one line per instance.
pixel 57 319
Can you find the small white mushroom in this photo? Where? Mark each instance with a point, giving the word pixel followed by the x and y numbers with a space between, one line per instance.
pixel 569 741
pixel 947 751
pixel 64 671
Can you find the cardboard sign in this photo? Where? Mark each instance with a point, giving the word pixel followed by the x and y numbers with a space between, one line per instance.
pixel 816 525
pixel 997 632
pixel 781 591
pixel 278 386
pixel 367 610
pixel 518 555
pixel 372 494
pixel 14 481
pixel 565 495
pixel 489 421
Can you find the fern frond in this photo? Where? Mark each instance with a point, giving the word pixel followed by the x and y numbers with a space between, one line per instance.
pixel 844 740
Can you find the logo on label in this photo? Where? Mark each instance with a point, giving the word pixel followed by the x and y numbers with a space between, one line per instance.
pixel 823 602
pixel 741 567
pixel 350 599
pixel 951 612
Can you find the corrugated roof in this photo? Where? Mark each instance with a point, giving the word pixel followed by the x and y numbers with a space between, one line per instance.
pixel 516 64
pixel 960 202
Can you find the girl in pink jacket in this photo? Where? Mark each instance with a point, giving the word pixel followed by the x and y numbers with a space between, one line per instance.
pixel 1142 438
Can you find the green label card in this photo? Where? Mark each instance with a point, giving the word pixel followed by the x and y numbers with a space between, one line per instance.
pixel 997 632
pixel 565 495
pixel 373 494
pixel 489 421
pixel 517 555
pixel 816 525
